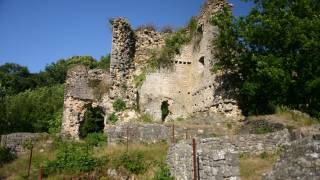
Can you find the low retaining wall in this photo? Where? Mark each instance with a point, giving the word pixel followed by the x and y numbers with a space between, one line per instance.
pixel 15 141
pixel 218 157
pixel 151 133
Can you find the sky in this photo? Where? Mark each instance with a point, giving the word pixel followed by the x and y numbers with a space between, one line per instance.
pixel 35 33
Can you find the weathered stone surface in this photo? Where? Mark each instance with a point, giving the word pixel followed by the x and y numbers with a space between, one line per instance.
pixel 190 86
pixel 136 132
pixel 83 88
pixel 300 160
pixel 153 132
pixel 15 141
pixel 212 162
pixel 218 157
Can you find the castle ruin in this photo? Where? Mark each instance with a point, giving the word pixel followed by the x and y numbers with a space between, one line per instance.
pixel 188 87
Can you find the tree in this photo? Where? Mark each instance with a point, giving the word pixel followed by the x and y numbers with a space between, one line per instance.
pixel 275 52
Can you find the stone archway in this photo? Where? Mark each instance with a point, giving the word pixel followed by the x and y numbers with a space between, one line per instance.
pixel 93 121
pixel 164 110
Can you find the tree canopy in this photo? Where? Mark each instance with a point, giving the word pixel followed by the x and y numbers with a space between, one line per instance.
pixel 274 51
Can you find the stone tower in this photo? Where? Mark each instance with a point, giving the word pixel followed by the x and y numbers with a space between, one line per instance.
pixel 122 64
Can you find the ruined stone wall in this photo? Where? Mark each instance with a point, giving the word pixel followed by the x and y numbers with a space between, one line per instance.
pixel 83 88
pixel 16 141
pixel 218 157
pixel 300 160
pixel 122 64
pixel 188 87
pixel 191 87
pixel 146 42
pixel 153 132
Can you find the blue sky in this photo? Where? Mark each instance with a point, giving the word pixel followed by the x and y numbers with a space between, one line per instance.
pixel 35 33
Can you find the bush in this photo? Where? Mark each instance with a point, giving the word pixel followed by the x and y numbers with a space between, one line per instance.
pixel 113 118
pixel 6 155
pixel 119 105
pixel 134 162
pixel 163 173
pixel 96 139
pixel 36 110
pixel 72 157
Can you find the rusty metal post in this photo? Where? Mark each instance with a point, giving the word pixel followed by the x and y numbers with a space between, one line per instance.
pixel 30 158
pixel 173 138
pixel 127 132
pixel 186 133
pixel 194 154
pixel 40 173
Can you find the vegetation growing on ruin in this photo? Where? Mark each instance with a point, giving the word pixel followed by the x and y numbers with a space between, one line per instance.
pixel 113 118
pixel 274 52
pixel 173 44
pixel 139 79
pixel 119 105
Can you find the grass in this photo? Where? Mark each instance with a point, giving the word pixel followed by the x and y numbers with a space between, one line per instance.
pixel 153 155
pixel 291 119
pixel 253 166
pixel 17 169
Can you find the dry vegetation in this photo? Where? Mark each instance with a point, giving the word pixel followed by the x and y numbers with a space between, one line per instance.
pixel 252 167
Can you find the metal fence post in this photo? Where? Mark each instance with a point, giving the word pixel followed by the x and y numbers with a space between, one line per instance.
pixel 127 132
pixel 173 138
pixel 40 173
pixel 30 158
pixel 194 153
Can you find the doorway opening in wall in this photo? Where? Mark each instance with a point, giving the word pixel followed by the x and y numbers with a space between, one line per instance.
pixel 93 121
pixel 164 110
pixel 201 60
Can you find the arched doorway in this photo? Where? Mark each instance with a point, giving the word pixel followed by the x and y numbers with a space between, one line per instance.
pixel 93 121
pixel 164 110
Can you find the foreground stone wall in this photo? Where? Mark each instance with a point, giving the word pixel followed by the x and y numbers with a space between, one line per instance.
pixel 300 160
pixel 15 141
pixel 218 157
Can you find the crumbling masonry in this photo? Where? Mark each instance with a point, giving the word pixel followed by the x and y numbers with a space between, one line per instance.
pixel 188 87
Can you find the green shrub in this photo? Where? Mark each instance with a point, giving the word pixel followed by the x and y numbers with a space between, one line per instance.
pixel 96 139
pixel 113 118
pixel 163 173
pixel 134 162
pixel 6 155
pixel 72 157
pixel 119 105
pixel 139 79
